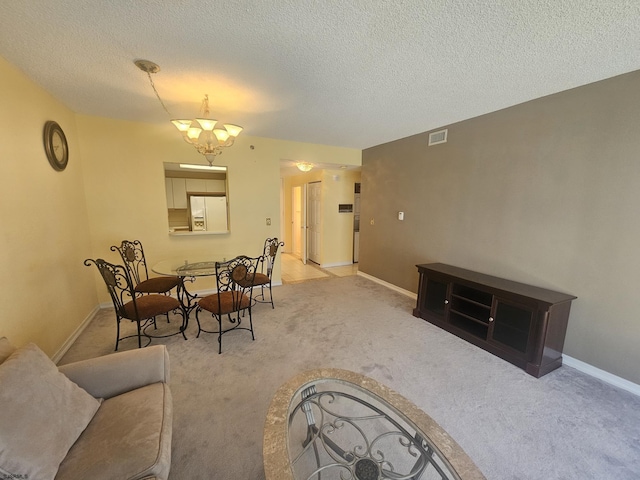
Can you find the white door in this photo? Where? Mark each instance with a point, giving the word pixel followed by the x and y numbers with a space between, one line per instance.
pixel 299 222
pixel 303 226
pixel 314 221
pixel 296 221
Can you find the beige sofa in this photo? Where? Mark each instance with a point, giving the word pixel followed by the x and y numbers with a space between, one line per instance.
pixel 104 418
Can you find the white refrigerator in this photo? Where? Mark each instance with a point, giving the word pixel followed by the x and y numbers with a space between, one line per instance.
pixel 209 213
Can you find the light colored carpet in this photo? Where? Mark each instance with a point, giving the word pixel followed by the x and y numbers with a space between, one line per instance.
pixel 565 425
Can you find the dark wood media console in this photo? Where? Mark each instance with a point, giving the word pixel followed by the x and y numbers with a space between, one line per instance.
pixel 520 323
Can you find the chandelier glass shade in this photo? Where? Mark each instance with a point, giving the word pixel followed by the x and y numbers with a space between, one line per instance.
pixel 203 134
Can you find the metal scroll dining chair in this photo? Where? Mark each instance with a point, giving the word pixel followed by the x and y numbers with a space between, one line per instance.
pixel 234 280
pixel 128 305
pixel 263 276
pixel 132 255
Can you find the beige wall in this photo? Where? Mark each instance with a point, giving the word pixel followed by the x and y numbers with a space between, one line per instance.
pixel 545 193
pixel 337 228
pixel 45 237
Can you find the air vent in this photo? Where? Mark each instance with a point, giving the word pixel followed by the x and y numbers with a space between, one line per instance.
pixel 438 137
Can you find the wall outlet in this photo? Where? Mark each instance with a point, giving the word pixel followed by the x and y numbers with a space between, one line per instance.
pixel 372 222
pixel 268 222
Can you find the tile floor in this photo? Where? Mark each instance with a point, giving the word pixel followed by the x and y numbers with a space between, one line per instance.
pixel 294 271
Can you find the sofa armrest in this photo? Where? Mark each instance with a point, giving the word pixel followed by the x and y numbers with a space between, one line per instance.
pixel 111 375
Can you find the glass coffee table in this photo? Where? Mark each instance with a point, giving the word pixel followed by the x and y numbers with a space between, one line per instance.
pixel 334 424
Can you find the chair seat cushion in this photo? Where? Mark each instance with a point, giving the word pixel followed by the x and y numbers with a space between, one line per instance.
pixel 150 306
pixel 228 302
pixel 158 285
pixel 129 437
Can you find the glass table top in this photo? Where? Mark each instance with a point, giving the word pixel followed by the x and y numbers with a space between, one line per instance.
pixel 341 425
pixel 338 429
pixel 186 267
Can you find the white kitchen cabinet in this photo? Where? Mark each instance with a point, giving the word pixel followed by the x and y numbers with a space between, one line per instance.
pixel 215 186
pixel 176 191
pixel 196 185
pixel 202 185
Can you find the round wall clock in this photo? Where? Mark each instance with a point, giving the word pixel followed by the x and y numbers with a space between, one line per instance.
pixel 55 145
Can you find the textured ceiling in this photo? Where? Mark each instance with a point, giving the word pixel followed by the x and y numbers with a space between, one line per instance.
pixel 345 73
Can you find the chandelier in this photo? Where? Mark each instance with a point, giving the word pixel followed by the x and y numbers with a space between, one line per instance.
pixel 203 132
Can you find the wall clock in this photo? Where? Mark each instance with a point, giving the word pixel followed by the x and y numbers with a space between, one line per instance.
pixel 55 145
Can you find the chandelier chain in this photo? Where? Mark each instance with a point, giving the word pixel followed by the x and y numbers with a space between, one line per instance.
pixel 158 95
pixel 204 106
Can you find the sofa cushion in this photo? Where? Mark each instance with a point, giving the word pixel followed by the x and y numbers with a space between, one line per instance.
pixel 128 438
pixel 42 413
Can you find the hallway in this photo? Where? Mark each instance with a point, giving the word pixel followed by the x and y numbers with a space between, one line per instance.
pixel 294 271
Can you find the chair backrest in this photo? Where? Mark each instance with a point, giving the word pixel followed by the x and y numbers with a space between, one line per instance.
pixel 269 255
pixel 118 282
pixel 132 255
pixel 236 275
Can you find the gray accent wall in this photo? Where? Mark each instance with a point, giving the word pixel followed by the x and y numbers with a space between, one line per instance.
pixel 546 193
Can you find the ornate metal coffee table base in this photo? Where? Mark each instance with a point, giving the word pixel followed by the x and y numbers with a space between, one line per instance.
pixel 334 424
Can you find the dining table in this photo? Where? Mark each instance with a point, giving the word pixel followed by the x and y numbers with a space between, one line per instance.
pixel 188 269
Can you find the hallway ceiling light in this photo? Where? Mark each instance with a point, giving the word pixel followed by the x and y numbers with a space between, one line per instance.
pixel 304 166
pixel 203 132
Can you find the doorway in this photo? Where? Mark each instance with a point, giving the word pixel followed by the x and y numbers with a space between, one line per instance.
pixel 306 221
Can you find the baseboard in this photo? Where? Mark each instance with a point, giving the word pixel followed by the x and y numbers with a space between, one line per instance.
pixel 389 285
pixel 338 264
pixel 601 375
pixel 74 336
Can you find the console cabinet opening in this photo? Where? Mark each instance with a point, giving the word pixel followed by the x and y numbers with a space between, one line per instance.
pixel 512 326
pixel 436 294
pixel 520 323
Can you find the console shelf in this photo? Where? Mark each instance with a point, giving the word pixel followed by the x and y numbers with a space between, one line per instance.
pixel 520 323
